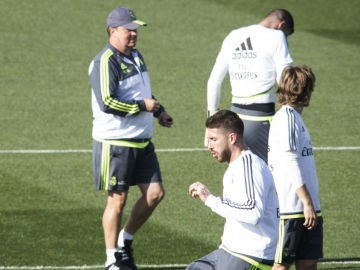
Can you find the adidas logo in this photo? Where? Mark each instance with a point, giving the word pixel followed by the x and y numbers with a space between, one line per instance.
pixel 244 50
pixel 243 45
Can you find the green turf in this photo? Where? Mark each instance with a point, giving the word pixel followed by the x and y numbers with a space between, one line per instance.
pixel 49 211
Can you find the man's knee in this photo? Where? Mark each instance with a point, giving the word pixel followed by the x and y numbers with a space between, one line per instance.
pixel 283 266
pixel 154 193
pixel 116 200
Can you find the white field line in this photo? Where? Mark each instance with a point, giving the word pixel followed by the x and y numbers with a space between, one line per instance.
pixel 60 151
pixel 145 266
pixel 74 267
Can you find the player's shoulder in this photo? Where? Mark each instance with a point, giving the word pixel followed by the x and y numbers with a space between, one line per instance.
pixel 242 29
pixel 259 32
pixel 281 116
pixel 251 158
pixel 276 35
pixel 235 35
pixel 285 110
pixel 286 116
pixel 105 52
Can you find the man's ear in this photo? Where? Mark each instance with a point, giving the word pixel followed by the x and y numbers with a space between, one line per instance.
pixel 232 138
pixel 111 30
pixel 281 25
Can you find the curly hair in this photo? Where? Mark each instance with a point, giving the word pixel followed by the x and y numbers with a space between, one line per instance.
pixel 296 86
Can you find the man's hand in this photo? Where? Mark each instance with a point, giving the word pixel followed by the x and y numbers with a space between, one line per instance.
pixel 310 217
pixel 152 105
pixel 165 120
pixel 309 211
pixel 198 190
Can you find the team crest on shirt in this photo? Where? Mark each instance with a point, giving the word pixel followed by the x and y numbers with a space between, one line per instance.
pixel 124 68
pixel 113 181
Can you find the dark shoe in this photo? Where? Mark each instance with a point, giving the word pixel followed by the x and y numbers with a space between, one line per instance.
pixel 124 258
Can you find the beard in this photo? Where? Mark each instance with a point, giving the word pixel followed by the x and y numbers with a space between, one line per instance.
pixel 224 156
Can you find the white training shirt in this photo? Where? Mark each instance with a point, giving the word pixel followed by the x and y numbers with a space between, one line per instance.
pixel 291 160
pixel 254 57
pixel 249 204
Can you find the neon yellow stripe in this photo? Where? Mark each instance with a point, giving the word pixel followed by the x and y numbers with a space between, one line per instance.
pixel 125 143
pixel 104 74
pixel 280 243
pixel 115 104
pixel 301 215
pixel 254 263
pixel 105 166
pixel 105 87
pixel 255 118
pixel 140 22
pixel 291 216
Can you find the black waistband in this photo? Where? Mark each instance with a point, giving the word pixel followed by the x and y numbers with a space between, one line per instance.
pixel 263 107
pixel 136 140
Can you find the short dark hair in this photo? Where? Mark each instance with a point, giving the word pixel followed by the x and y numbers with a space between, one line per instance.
pixel 283 15
pixel 227 120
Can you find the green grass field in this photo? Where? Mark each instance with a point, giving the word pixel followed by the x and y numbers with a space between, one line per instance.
pixel 50 214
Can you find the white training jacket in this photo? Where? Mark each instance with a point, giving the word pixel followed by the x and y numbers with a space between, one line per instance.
pixel 250 206
pixel 291 160
pixel 254 57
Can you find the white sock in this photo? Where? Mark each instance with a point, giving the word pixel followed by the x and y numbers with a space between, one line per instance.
pixel 110 256
pixel 124 236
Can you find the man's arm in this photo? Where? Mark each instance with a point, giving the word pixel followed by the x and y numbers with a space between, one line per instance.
pixel 248 211
pixel 309 211
pixel 282 57
pixel 104 82
pixel 214 83
pixel 217 75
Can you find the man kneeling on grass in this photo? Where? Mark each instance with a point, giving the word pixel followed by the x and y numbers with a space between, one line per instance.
pixel 249 202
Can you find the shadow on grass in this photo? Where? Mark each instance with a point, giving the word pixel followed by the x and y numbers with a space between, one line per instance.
pixel 75 237
pixel 350 36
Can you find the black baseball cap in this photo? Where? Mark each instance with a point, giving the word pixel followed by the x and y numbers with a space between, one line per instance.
pixel 125 17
